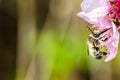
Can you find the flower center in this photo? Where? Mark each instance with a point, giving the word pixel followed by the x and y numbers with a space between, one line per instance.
pixel 114 12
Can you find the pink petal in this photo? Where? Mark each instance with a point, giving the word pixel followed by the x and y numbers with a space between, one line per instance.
pixel 104 23
pixel 112 46
pixel 92 17
pixel 89 5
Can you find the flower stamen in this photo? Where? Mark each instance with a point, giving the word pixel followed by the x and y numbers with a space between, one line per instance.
pixel 114 12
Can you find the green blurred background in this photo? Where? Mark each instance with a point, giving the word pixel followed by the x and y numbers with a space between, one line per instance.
pixel 46 40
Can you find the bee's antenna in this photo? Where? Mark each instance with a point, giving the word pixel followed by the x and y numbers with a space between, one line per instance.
pixel 90 29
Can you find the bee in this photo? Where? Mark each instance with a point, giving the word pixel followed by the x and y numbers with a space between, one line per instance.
pixel 96 48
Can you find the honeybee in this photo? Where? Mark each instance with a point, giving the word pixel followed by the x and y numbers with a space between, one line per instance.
pixel 94 42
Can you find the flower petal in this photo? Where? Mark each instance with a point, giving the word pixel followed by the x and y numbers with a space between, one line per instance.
pixel 92 17
pixel 89 5
pixel 104 23
pixel 112 46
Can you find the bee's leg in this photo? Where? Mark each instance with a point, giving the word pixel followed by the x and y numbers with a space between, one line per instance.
pixel 105 31
pixel 104 53
pixel 104 34
pixel 96 48
pixel 88 50
pixel 104 38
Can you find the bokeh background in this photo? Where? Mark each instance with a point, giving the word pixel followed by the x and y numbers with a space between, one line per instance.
pixel 46 40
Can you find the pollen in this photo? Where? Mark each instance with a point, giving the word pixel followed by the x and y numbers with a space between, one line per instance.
pixel 114 12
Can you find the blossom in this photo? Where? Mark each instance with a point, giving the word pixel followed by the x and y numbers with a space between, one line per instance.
pixel 93 12
pixel 112 43
pixel 104 14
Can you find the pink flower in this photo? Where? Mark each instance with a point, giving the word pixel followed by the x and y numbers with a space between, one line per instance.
pixel 92 10
pixel 104 14
pixel 112 43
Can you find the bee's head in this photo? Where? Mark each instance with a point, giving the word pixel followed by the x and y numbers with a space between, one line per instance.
pixel 97 55
pixel 96 33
